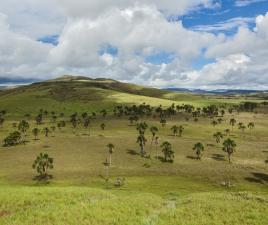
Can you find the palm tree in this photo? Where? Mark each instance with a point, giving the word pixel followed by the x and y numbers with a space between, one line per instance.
pixel 175 130
pixel 153 130
pixel 107 165
pixel 229 147
pixel 2 120
pixel 163 122
pixel 42 164
pixel 227 131
pixel 167 151
pixel 23 127
pixel 53 128
pixel 218 136
pixel 156 142
pixel 232 123
pixel 251 125
pixel 242 127
pixel 214 123
pixel 46 131
pixel 111 151
pixel 141 127
pixel 39 119
pixel 141 140
pixel 102 126
pixel 35 131
pixel 220 120
pixel 181 128
pixel 198 148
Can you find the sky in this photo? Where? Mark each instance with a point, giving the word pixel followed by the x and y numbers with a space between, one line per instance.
pixel 206 44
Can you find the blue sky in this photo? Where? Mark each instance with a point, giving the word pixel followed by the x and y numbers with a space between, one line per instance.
pixel 188 43
pixel 227 11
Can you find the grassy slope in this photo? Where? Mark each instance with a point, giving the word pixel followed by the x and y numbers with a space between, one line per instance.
pixel 187 192
pixel 83 94
pixel 61 206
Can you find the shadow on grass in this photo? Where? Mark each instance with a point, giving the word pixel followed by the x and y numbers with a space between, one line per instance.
pixel 191 157
pixel 43 179
pixel 132 152
pixel 211 145
pixel 218 157
pixel 162 159
pixel 258 178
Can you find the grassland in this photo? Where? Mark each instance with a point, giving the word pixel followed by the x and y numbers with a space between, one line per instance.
pixel 185 192
pixel 82 94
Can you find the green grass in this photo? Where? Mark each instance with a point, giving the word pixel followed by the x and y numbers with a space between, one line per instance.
pixel 91 95
pixel 186 192
pixel 75 205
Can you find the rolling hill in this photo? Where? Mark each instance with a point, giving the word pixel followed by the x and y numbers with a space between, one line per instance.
pixel 69 93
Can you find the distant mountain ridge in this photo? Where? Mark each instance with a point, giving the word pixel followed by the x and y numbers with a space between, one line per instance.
pixel 217 91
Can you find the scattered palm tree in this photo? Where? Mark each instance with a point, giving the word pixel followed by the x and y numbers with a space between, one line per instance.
pixel 156 142
pixel 53 129
pixel 42 164
pixel 141 140
pixel 232 123
pixel 214 123
pixel 35 131
pixel 198 148
pixel 102 126
pixel 251 125
pixel 39 119
pixel 181 128
pixel 23 127
pixel 2 120
pixel 111 151
pixel 46 131
pixel 175 130
pixel 163 122
pixel 218 136
pixel 167 151
pixel 229 147
pixel 227 131
pixel 241 126
pixel 153 130
pixel 141 127
pixel 219 120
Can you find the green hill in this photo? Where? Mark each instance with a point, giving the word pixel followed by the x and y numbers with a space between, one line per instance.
pixel 83 188
pixel 77 93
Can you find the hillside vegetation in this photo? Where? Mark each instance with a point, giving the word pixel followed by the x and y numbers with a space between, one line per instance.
pixel 69 94
pixel 81 151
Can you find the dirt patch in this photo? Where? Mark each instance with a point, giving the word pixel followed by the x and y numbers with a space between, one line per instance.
pixel 4 213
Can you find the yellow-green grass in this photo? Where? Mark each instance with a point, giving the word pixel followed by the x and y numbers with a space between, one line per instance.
pixel 78 155
pixel 74 205
pixel 93 95
pixel 188 191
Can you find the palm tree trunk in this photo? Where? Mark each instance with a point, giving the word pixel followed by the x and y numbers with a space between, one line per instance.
pixel 142 150
pixel 110 160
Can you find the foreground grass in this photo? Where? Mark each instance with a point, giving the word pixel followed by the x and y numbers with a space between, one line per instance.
pixel 75 205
